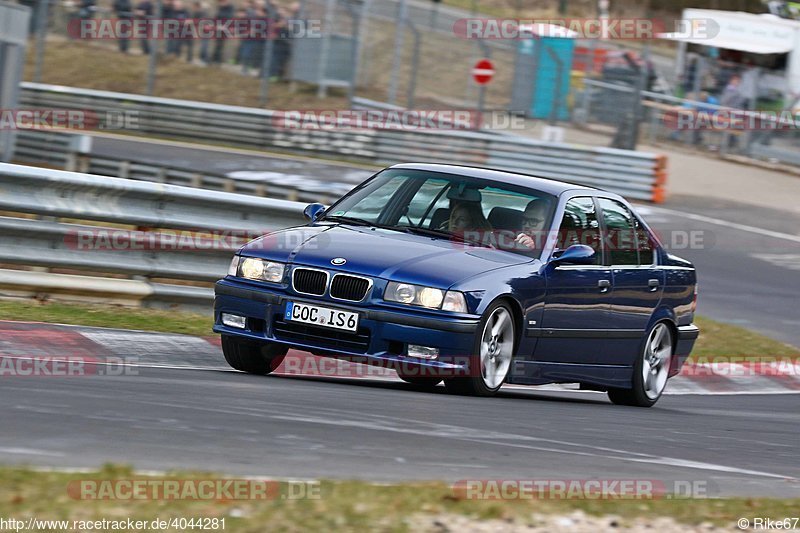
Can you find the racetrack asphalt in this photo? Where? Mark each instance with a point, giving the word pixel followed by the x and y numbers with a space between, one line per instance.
pixel 386 430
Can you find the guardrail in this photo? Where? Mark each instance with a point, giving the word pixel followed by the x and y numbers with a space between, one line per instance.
pixel 637 175
pixel 154 243
pixel 57 148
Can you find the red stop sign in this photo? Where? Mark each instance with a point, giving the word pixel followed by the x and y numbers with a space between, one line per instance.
pixel 483 71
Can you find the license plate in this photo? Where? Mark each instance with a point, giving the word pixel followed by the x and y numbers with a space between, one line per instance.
pixel 321 316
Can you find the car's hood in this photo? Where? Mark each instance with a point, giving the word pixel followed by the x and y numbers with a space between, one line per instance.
pixel 381 253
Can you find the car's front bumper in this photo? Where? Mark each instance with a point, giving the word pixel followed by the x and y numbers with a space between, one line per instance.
pixel 389 332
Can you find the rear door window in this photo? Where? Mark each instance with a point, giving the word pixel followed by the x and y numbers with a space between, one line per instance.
pixel 620 233
pixel 580 225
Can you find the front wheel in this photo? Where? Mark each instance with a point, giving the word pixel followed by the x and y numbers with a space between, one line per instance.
pixel 258 359
pixel 650 372
pixel 491 360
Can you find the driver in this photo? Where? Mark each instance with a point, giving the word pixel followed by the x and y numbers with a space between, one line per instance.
pixel 533 220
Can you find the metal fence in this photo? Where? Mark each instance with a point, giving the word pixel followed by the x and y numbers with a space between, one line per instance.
pixel 123 239
pixel 13 41
pixel 701 125
pixel 637 175
pixel 358 38
pixel 406 51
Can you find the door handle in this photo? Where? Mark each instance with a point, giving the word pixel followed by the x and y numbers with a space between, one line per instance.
pixel 604 285
pixel 653 284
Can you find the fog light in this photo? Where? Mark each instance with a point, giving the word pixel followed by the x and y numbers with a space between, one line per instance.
pixel 423 352
pixel 233 321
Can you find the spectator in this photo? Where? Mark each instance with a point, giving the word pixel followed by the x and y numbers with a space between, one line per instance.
pixel 144 11
pixel 690 76
pixel 749 87
pixel 225 11
pixel 200 16
pixel 280 48
pixel 246 52
pixel 168 13
pixel 732 96
pixel 124 11
pixel 180 14
pixel 703 114
pixel 87 9
pixel 260 40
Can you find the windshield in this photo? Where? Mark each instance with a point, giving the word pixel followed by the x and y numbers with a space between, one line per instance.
pixel 463 209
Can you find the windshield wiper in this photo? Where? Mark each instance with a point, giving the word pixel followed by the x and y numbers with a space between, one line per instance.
pixel 358 222
pixel 347 220
pixel 444 234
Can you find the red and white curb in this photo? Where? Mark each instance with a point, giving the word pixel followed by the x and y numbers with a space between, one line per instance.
pixel 32 340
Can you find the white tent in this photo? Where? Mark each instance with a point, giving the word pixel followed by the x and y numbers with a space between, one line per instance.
pixel 745 32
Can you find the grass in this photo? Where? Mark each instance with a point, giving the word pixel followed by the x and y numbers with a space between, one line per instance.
pixel 106 316
pixel 344 505
pixel 717 340
pixel 104 68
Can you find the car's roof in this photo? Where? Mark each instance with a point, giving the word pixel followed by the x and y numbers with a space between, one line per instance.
pixel 544 185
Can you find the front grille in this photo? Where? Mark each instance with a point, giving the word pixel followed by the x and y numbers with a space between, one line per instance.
pixel 330 339
pixel 352 288
pixel 309 281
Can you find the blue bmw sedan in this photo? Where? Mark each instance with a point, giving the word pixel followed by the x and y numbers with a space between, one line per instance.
pixel 470 276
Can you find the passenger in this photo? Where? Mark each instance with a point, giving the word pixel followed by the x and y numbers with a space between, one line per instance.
pixel 533 221
pixel 467 216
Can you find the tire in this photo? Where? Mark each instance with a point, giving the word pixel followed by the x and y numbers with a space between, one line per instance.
pixel 420 381
pixel 492 354
pixel 258 359
pixel 651 371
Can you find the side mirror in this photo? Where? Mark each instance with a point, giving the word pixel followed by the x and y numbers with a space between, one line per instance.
pixel 313 211
pixel 577 254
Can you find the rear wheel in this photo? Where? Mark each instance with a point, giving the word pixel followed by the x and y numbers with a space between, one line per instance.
pixel 492 354
pixel 253 358
pixel 650 372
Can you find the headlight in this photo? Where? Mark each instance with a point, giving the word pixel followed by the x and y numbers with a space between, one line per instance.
pixel 258 269
pixel 405 293
pixel 234 268
pixel 273 271
pixel 431 297
pixel 454 301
